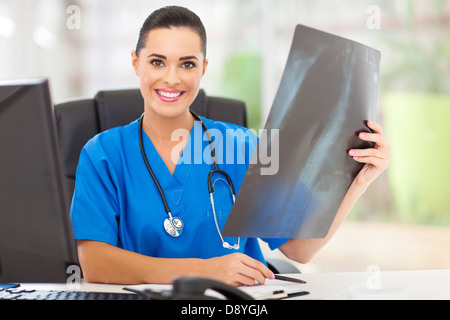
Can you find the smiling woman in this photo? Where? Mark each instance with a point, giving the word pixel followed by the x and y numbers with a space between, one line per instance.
pixel 127 212
pixel 169 61
pixel 170 66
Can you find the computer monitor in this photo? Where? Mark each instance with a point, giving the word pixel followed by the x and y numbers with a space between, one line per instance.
pixel 36 242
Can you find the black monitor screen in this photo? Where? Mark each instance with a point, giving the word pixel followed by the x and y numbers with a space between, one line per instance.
pixel 36 243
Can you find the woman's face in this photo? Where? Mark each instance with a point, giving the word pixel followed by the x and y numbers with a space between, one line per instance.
pixel 170 68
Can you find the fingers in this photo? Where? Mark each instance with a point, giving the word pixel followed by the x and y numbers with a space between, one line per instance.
pixel 382 148
pixel 254 270
pixel 240 269
pixel 377 162
pixel 377 137
pixel 370 152
pixel 375 127
pixel 376 159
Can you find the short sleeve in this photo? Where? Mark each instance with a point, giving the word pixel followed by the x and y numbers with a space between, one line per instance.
pixel 274 243
pixel 94 205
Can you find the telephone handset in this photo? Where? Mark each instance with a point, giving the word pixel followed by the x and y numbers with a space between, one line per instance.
pixel 194 288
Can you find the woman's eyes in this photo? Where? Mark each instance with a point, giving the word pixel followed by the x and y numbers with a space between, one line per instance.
pixel 158 63
pixel 187 65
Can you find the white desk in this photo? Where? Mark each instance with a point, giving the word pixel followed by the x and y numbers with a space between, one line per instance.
pixel 417 285
pixel 421 285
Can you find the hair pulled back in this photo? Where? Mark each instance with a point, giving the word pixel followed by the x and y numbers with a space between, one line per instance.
pixel 171 16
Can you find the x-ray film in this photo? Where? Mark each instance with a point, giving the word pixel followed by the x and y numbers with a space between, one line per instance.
pixel 327 93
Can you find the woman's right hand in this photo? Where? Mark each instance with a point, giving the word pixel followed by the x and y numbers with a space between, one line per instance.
pixel 104 263
pixel 237 269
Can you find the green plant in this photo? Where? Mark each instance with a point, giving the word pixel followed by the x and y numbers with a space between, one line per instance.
pixel 415 83
pixel 418 47
pixel 242 80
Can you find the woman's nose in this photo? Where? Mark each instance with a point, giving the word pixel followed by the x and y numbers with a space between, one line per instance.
pixel 171 76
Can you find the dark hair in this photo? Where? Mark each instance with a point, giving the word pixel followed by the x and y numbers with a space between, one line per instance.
pixel 171 16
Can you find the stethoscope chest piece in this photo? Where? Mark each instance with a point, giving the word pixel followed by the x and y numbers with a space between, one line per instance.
pixel 173 226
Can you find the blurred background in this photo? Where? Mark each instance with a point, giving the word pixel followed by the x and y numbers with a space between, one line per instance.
pixel 403 221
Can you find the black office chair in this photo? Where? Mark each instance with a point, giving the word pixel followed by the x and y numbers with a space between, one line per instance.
pixel 78 120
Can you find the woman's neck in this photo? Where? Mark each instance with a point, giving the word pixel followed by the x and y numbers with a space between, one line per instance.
pixel 161 129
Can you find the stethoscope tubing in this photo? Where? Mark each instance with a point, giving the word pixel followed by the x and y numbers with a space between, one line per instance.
pixel 175 230
pixel 149 168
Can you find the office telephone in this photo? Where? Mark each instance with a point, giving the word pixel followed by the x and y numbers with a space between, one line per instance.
pixel 194 288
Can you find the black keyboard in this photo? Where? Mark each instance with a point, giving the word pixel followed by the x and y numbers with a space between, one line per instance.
pixel 25 294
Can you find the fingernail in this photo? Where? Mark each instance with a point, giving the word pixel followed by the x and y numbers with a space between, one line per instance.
pixel 362 134
pixel 272 277
pixel 351 152
pixel 369 122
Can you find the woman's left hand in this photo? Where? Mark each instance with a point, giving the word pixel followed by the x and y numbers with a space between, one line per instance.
pixel 376 159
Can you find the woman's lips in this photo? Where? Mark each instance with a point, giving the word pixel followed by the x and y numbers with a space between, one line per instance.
pixel 169 95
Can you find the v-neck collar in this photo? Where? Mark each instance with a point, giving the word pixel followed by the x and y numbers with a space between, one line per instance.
pixel 174 184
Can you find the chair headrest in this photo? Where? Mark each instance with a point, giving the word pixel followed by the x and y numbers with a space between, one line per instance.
pixel 120 107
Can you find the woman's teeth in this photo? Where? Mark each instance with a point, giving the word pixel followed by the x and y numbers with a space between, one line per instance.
pixel 169 94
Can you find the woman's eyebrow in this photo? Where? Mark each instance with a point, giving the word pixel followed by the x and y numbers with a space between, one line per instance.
pixel 188 58
pixel 157 55
pixel 165 58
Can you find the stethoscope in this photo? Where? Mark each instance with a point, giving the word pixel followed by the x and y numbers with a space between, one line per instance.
pixel 174 225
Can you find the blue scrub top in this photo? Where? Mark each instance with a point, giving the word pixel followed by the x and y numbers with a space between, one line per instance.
pixel 116 200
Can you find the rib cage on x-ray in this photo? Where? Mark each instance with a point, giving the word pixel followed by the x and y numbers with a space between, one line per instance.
pixel 327 92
